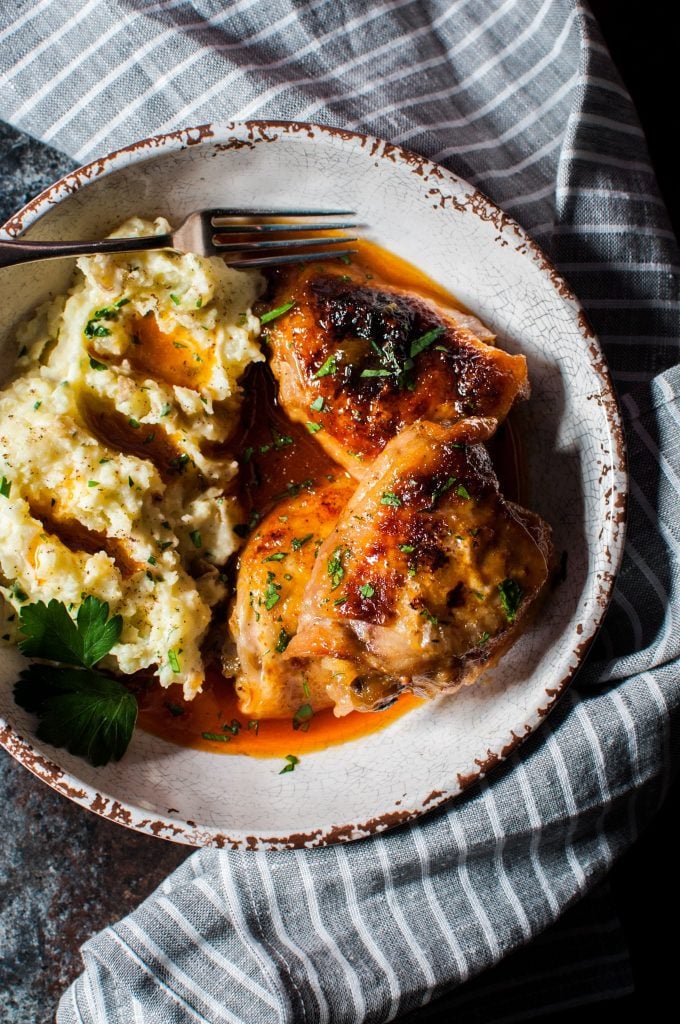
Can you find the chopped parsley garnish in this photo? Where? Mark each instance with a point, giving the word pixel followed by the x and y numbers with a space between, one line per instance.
pixel 408 549
pixel 90 714
pixel 303 717
pixel 511 597
pixel 196 538
pixel 281 440
pixel 254 724
pixel 271 594
pixel 216 737
pixel 298 542
pixel 284 639
pixel 173 660
pixel 96 365
pixel 462 491
pixel 313 428
pixel 329 367
pixel 376 373
pixel 135 424
pixel 339 600
pixel 247 454
pixel 390 498
pixel 273 314
pixel 290 767
pixel 96 330
pixel 336 569
pixel 93 483
pixel 175 298
pixel 441 489
pixel 317 404
pixel 425 340
pixel 5 487
pixel 121 302
pixel 36 405
pixel 234 727
pixel 175 709
pixel 432 619
pixel 166 410
pixel 278 556
pixel 367 590
pixel 243 529
pixel 483 637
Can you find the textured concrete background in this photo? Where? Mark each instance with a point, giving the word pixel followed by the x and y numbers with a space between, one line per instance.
pixel 64 873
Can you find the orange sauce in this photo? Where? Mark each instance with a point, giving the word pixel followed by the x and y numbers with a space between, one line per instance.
pixel 171 357
pixel 275 456
pixel 215 712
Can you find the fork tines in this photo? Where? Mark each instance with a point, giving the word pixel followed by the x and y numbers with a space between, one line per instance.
pixel 234 222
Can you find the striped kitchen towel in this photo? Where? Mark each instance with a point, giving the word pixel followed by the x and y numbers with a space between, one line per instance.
pixel 519 96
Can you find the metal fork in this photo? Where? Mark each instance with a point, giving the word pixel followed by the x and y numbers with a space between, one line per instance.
pixel 239 235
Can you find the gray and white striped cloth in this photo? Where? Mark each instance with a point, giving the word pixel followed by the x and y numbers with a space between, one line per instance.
pixel 520 97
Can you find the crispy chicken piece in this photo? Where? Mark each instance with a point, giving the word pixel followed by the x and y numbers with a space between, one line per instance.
pixel 275 567
pixel 362 359
pixel 429 574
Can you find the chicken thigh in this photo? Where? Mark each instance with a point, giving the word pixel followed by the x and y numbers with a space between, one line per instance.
pixel 429 574
pixel 275 567
pixel 358 359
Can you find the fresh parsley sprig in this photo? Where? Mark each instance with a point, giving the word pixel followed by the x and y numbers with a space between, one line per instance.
pixel 90 714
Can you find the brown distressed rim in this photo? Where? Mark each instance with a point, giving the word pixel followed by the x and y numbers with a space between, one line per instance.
pixel 259 132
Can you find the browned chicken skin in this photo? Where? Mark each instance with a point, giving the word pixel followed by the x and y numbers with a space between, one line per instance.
pixel 275 567
pixel 429 573
pixel 361 359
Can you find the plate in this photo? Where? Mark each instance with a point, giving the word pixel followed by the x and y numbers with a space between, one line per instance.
pixel 575 462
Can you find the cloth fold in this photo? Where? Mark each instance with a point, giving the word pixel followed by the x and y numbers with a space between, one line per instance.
pixel 522 99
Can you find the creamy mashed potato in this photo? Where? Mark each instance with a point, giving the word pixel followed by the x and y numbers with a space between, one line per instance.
pixel 112 450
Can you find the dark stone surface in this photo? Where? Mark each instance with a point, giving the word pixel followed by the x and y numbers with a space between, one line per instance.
pixel 64 873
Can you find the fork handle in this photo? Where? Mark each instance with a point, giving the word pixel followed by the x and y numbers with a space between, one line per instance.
pixel 12 252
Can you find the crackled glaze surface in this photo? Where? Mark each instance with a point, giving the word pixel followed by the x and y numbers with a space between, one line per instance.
pixel 574 452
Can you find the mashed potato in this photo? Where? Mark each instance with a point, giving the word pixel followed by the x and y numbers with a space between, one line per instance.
pixel 115 478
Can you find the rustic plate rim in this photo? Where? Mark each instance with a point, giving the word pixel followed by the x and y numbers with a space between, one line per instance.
pixel 226 135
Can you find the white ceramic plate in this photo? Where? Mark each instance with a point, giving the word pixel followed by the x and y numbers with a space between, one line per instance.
pixel 574 453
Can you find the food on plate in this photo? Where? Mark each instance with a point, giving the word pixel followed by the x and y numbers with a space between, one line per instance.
pixel 364 359
pixel 274 570
pixel 303 519
pixel 428 574
pixel 122 386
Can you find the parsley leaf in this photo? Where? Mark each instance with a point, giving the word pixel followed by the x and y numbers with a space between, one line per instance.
pixel 511 597
pixel 5 487
pixel 290 767
pixel 425 340
pixel 330 366
pixel 284 639
pixel 91 715
pixel 317 404
pixel 367 590
pixel 303 717
pixel 50 632
pixel 313 428
pixel 390 498
pixel 336 569
pixel 273 314
pixel 297 542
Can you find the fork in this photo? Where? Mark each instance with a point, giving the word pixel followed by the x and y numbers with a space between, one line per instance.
pixel 239 235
